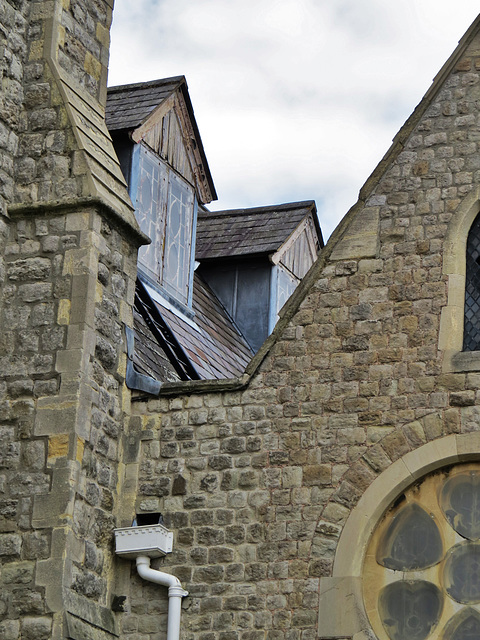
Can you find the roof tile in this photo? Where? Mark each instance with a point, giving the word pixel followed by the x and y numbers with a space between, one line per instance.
pixel 256 231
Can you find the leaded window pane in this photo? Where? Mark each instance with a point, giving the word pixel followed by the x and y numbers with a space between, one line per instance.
pixel 150 208
pixel 471 331
pixel 286 285
pixel 460 502
pixel 462 573
pixel 412 541
pixel 464 626
pixel 178 238
pixel 164 207
pixel 409 610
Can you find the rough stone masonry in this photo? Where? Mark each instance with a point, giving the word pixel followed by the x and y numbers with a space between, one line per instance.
pixel 272 483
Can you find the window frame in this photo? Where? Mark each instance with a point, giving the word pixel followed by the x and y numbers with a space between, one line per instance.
pixel 342 610
pixel 158 276
pixel 454 268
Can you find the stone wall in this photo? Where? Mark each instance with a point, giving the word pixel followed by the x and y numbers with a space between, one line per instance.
pixel 28 346
pixel 84 45
pixel 257 484
pixel 69 286
pixel 68 266
pixel 14 50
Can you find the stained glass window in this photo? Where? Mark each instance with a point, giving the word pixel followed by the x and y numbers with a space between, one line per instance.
pixel 409 610
pixel 422 569
pixel 464 626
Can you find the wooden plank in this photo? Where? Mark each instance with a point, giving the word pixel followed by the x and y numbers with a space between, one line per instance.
pixel 165 125
pixel 154 118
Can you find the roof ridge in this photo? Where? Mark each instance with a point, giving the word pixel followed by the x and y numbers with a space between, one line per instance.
pixel 262 209
pixel 148 84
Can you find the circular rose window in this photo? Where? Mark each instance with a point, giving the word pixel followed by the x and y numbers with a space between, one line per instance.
pixel 422 569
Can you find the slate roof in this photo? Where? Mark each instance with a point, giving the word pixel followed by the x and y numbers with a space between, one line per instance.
pixel 248 232
pixel 129 105
pixel 212 343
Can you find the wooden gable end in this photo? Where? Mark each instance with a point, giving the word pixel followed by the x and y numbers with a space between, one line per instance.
pixel 300 250
pixel 170 133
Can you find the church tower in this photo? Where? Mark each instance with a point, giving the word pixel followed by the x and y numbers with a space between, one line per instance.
pixel 69 243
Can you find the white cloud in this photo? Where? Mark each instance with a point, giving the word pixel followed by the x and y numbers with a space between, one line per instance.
pixel 295 99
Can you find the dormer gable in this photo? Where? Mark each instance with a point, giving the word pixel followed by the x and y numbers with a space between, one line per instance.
pixel 156 137
pixel 254 259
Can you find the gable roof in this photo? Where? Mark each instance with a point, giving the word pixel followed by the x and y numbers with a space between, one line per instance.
pixel 248 232
pixel 132 107
pixel 345 225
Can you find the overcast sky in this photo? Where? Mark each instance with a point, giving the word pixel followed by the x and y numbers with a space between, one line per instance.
pixel 294 99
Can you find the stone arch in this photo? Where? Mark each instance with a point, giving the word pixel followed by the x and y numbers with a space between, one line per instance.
pixel 341 611
pixel 451 320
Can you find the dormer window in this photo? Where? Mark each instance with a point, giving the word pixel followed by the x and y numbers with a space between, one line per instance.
pixel 161 155
pixel 166 211
pixel 198 323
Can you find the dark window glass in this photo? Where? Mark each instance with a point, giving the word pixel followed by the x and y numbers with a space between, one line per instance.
pixel 462 572
pixel 471 330
pixel 464 626
pixel 409 610
pixel 460 502
pixel 412 541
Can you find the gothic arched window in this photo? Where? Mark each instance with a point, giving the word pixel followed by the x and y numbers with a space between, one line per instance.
pixel 471 330
pixel 422 569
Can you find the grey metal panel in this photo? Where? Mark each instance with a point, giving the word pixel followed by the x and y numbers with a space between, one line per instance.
pixel 253 302
pixel 243 288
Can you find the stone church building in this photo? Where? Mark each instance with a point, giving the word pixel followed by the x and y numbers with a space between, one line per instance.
pixel 331 489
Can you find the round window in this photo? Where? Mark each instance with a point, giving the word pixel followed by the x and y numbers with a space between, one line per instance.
pixel 422 568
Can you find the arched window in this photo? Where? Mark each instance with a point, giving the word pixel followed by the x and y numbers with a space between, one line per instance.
pixel 422 568
pixel 471 330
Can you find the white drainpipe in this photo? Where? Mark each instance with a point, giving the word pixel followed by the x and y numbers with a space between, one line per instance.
pixel 175 593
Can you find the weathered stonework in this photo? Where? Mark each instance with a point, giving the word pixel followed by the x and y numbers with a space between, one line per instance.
pixel 354 400
pixel 68 267
pixel 272 483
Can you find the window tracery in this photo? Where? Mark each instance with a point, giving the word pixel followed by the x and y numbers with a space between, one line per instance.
pixel 422 569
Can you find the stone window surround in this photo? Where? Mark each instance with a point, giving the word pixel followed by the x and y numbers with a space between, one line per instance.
pixel 341 609
pixel 454 266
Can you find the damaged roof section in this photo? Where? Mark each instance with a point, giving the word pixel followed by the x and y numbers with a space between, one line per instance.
pixel 213 345
pixel 130 105
pixel 235 289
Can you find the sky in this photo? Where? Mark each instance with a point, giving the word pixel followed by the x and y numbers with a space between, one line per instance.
pixel 294 99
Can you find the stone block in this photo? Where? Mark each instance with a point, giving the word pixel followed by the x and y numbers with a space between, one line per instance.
pixel 341 611
pixel 10 544
pixel 36 628
pixel 10 629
